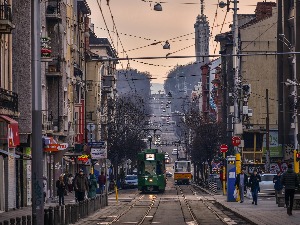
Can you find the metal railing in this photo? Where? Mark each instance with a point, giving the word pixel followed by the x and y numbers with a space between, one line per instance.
pixel 5 12
pixel 66 214
pixel 8 100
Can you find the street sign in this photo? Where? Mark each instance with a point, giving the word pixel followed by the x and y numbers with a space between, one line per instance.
pixel 236 141
pixel 223 148
pixel 98 149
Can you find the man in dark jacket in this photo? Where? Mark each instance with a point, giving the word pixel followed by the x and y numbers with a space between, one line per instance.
pixel 254 184
pixel 277 185
pixel 290 180
pixel 241 182
pixel 81 185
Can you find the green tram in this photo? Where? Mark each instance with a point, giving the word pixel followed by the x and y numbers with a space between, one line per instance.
pixel 151 171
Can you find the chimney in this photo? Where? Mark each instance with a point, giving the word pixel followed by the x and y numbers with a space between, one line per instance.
pixel 264 10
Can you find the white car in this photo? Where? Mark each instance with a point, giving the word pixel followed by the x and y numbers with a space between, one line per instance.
pixel 174 152
pixel 266 185
pixel 131 181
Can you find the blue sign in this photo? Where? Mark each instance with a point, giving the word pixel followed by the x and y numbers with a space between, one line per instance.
pixel 98 144
pixel 231 174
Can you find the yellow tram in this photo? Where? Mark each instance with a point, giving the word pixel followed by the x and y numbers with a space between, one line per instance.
pixel 182 172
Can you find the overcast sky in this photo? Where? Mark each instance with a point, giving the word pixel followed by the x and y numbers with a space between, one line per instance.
pixel 137 18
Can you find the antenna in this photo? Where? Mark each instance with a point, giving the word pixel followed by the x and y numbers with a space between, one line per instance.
pixel 202 7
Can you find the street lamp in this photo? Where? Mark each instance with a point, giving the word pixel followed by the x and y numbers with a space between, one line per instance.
pixel 293 83
pixel 150 140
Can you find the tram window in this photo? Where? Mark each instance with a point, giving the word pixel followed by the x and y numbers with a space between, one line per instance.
pixel 182 167
pixel 150 168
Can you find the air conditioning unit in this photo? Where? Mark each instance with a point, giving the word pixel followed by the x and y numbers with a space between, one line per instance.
pixel 250 112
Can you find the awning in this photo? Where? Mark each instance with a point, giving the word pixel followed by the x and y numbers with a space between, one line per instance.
pixel 12 132
pixel 9 154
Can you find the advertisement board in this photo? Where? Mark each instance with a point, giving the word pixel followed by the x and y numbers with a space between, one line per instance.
pixel 275 148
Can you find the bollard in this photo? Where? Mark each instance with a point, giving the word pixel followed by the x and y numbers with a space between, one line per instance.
pixel 77 210
pixel 18 221
pixel 23 220
pixel 67 214
pixel 62 215
pixel 51 216
pixel 5 222
pixel 28 220
pixel 46 217
pixel 72 213
pixel 12 221
pixel 56 215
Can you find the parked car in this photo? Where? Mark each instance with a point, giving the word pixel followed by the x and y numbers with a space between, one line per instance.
pixel 169 174
pixel 266 185
pixel 131 181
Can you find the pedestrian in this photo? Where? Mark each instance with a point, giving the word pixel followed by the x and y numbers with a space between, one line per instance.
pixel 66 175
pixel 241 182
pixel 45 188
pixel 73 183
pixel 277 185
pixel 61 187
pixel 254 184
pixel 290 181
pixel 70 183
pixel 101 182
pixel 81 185
pixel 92 186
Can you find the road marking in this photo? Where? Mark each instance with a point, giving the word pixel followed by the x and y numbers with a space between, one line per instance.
pixel 131 222
pixel 148 216
pixel 192 223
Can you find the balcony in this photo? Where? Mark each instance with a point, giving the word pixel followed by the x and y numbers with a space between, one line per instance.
pixel 54 69
pixel 8 102
pixel 6 24
pixel 53 11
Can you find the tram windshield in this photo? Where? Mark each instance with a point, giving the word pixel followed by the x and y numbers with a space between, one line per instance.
pixel 184 166
pixel 153 168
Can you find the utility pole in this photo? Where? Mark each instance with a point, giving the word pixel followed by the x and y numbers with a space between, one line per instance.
pixel 268 155
pixel 37 152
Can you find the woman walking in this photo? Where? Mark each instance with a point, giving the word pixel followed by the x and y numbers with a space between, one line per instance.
pixel 61 187
pixel 254 184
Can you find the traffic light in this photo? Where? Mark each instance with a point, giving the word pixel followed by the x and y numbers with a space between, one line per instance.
pixel 297 156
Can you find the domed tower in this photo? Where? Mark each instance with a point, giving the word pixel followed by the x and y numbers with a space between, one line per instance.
pixel 202 36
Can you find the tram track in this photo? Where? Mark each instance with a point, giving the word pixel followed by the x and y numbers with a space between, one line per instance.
pixel 188 206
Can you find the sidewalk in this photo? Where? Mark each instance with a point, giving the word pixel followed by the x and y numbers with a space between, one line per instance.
pixel 266 212
pixel 69 199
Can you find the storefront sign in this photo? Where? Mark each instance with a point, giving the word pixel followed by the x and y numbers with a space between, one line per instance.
pixel 83 158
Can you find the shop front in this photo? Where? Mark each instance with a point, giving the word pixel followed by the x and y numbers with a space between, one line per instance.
pixel 9 140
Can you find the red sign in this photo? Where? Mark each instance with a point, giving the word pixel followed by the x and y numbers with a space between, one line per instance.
pixel 223 148
pixel 236 141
